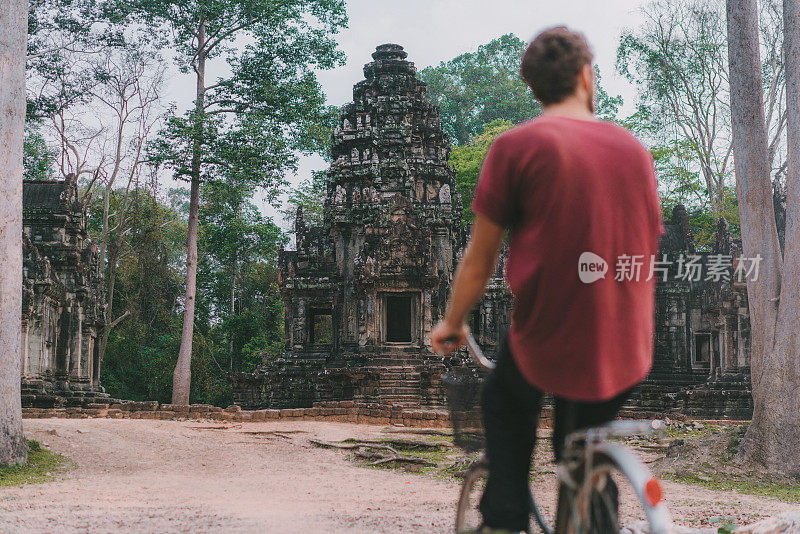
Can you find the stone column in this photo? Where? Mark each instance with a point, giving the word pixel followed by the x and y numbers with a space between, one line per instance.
pixel 25 363
pixel 75 345
pixel 87 343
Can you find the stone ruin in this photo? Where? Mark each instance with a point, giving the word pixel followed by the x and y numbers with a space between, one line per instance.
pixel 701 363
pixel 63 302
pixel 362 290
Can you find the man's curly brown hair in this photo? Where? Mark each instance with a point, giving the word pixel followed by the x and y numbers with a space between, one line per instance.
pixel 552 62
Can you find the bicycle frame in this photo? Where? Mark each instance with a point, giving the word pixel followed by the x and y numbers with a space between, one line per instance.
pixel 584 447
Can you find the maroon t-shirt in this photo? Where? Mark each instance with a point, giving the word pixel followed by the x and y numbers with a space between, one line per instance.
pixel 566 187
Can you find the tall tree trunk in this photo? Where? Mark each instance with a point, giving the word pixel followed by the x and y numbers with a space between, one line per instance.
pixel 714 193
pixel 773 437
pixel 111 280
pixel 104 231
pixel 233 312
pixel 182 377
pixel 13 44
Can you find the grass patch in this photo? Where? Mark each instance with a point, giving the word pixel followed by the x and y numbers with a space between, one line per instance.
pixel 707 458
pixel 42 466
pixel 782 491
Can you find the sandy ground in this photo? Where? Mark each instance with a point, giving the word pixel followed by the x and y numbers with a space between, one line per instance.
pixel 167 476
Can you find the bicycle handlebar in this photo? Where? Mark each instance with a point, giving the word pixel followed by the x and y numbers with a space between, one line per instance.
pixel 477 354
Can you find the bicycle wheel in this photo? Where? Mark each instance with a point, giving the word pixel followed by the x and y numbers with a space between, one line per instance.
pixel 591 511
pixel 468 517
pixel 594 508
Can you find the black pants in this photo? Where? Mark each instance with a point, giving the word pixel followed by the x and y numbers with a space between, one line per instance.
pixel 511 407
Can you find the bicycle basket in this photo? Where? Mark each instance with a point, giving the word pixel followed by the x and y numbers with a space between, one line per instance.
pixel 463 387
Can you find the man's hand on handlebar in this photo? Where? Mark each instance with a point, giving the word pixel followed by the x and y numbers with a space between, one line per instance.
pixel 445 338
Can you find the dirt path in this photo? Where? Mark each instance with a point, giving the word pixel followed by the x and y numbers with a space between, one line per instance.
pixel 166 476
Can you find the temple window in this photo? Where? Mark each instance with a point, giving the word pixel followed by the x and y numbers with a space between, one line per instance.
pixel 702 349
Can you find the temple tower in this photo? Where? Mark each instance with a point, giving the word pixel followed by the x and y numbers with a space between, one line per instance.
pixel 391 227
pixel 362 290
pixel 390 208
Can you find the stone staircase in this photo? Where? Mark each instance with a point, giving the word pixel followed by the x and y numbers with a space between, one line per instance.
pixel 408 379
pixel 39 393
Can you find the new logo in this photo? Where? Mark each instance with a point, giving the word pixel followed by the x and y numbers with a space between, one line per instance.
pixel 591 267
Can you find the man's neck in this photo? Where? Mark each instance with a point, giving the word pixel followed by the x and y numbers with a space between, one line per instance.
pixel 571 108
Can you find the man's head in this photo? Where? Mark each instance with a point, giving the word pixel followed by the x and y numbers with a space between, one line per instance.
pixel 558 66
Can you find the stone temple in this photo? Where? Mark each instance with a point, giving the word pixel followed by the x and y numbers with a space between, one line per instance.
pixel 63 301
pixel 362 290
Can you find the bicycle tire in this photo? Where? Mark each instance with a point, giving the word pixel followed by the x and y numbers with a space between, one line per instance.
pixel 597 516
pixel 475 472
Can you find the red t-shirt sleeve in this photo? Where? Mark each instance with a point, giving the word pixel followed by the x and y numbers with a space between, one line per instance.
pixel 495 196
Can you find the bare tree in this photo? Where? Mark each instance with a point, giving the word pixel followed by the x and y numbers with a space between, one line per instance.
pixel 679 59
pixel 101 136
pixel 773 437
pixel 130 95
pixel 13 35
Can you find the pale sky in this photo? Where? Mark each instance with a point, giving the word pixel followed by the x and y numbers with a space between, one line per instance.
pixel 432 31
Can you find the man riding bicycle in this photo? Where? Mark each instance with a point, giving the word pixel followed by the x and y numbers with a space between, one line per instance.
pixel 578 197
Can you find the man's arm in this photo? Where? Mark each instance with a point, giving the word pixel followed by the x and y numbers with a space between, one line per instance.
pixel 472 275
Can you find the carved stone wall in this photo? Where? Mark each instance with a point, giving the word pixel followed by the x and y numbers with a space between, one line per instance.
pixel 63 305
pixel 702 345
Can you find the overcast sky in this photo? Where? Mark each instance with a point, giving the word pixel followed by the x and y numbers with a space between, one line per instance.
pixel 432 31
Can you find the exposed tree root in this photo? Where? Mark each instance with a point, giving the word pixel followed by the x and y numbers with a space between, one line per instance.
pixel 426 431
pixel 367 450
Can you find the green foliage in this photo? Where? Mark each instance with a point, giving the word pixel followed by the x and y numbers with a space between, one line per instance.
pixel 607 106
pixel 42 466
pixel 149 248
pixel 37 158
pixel 238 275
pixel 68 42
pixel 480 87
pixel 243 133
pixel 467 160
pixel 678 61
pixel 309 195
pixel 252 123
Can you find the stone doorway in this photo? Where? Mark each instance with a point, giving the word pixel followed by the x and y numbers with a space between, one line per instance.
pixel 399 318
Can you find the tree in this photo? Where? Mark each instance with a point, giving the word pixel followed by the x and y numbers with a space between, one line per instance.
pixel 236 240
pixel 479 87
pixel 71 43
pixel 310 196
pixel 38 158
pixel 467 160
pixel 148 245
pixel 129 92
pixel 13 32
pixel 773 437
pixel 269 107
pixel 100 116
pixel 678 60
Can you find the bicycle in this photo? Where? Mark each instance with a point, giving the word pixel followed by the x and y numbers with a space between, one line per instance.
pixel 588 459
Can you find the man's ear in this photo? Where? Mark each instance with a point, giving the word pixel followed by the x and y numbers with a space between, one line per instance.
pixel 587 78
